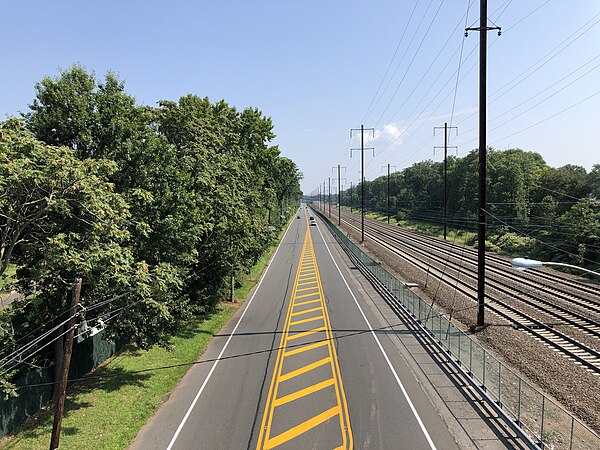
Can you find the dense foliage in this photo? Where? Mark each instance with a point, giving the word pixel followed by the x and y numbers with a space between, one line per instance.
pixel 548 213
pixel 166 205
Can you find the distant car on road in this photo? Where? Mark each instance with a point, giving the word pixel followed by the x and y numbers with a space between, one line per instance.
pixel 312 221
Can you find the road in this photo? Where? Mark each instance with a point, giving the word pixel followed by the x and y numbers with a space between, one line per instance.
pixel 306 363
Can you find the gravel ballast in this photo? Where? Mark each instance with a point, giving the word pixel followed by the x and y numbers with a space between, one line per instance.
pixel 568 383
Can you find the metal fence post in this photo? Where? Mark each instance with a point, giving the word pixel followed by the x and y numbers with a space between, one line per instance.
pixel 542 424
pixel 519 405
pixel 483 362
pixel 499 382
pixel 471 357
pixel 572 429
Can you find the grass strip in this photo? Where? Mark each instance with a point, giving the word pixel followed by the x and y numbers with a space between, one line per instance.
pixel 8 276
pixel 108 412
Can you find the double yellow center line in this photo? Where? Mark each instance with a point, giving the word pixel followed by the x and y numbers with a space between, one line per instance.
pixel 306 392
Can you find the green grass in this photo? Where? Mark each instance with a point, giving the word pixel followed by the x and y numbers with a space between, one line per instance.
pixel 107 413
pixel 457 236
pixel 504 242
pixel 8 276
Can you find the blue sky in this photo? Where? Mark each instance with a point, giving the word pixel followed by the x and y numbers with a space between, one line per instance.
pixel 314 67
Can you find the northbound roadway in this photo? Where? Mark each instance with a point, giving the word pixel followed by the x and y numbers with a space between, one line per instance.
pixel 306 363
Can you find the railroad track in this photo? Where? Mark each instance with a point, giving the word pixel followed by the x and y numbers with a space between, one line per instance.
pixel 441 261
pixel 501 280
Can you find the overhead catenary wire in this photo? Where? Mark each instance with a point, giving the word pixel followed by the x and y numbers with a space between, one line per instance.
pixel 387 145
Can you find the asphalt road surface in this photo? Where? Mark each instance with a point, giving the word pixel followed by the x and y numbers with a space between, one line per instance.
pixel 304 364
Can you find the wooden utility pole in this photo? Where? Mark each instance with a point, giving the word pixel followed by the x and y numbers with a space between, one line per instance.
pixel 362 174
pixel 483 29
pixel 445 147
pixel 59 406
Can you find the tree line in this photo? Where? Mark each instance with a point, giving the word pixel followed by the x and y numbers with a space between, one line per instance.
pixel 158 209
pixel 548 213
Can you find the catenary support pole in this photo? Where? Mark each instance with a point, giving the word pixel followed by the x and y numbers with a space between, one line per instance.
pixel 483 29
pixel 339 190
pixel 388 166
pixel 329 192
pixel 339 197
pixel 388 194
pixel 362 174
pixel 446 128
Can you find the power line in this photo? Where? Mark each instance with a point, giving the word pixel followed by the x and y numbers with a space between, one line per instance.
pixel 405 52
pixel 427 71
pixel 506 5
pixel 410 64
pixel 389 143
pixel 462 45
pixel 24 353
pixel 546 55
pixel 391 61
pixel 539 93
pixel 499 94
pixel 523 18
pixel 548 118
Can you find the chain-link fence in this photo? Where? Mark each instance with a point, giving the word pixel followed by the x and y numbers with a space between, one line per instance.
pixel 35 386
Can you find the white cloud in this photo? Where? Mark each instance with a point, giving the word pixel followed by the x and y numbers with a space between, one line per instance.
pixel 390 132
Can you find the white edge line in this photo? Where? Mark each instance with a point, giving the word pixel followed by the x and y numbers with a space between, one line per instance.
pixel 189 411
pixel 412 407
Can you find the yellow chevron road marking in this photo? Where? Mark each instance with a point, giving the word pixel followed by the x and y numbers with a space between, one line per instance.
pixel 303 427
pixel 314 360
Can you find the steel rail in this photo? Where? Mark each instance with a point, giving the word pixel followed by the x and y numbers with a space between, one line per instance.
pixel 550 336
